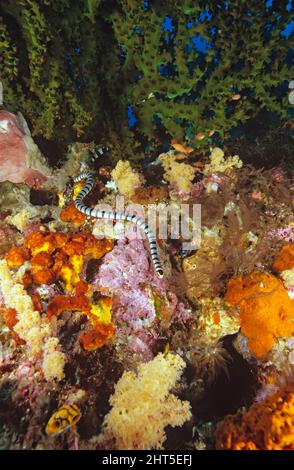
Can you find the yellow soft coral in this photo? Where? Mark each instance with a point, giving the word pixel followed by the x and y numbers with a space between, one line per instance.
pixel 126 179
pixel 142 405
pixel 268 425
pixel 30 327
pixel 219 164
pixel 179 175
pixel 53 361
pixel 266 311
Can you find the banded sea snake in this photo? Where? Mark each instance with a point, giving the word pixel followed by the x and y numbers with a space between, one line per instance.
pixel 100 214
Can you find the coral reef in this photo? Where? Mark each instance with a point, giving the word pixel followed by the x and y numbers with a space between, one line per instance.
pixel 96 350
pixel 180 112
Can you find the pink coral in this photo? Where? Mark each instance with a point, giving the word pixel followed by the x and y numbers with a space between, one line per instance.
pixel 127 267
pixel 139 295
pixel 286 234
pixel 15 148
pixel 127 272
pixel 135 308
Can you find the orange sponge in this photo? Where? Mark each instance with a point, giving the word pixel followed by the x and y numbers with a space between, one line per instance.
pixel 71 214
pixel 41 265
pixel 102 329
pixel 268 425
pixel 266 311
pixel 97 337
pixel 284 259
pixel 66 302
pixel 16 256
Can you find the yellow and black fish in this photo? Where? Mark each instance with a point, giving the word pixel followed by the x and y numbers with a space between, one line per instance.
pixel 65 417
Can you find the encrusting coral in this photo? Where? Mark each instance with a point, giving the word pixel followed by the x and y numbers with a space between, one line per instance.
pixel 266 426
pixel 143 405
pixel 61 256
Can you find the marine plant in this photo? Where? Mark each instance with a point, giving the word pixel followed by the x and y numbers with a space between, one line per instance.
pixel 52 51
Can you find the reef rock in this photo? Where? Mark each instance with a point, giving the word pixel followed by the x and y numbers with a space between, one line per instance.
pixel 20 159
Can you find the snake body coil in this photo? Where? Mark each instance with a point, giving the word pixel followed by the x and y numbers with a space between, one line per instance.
pixel 100 214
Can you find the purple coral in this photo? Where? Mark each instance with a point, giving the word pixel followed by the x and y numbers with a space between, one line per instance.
pixel 127 272
pixel 135 308
pixel 286 234
pixel 127 267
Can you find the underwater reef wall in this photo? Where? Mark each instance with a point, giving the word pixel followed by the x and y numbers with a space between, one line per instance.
pixel 99 352
pixel 119 334
pixel 188 70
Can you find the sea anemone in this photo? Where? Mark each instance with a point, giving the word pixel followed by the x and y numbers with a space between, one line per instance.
pixel 209 359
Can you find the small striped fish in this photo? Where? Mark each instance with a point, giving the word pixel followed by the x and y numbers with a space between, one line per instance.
pixel 100 214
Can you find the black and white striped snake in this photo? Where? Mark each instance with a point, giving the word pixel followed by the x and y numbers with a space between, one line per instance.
pixel 100 214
